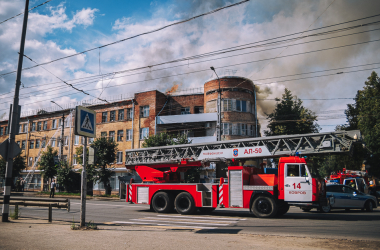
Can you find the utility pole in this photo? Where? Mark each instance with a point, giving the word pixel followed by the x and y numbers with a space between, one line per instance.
pixel 14 118
pixel 218 122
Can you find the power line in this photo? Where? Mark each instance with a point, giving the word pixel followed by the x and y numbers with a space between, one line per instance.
pixel 24 12
pixel 208 54
pixel 270 59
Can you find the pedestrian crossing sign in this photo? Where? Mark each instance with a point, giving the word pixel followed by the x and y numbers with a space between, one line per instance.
pixel 85 122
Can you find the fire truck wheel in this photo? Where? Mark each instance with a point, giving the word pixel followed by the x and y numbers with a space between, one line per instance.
pixel 184 203
pixel 162 202
pixel 368 206
pixel 264 207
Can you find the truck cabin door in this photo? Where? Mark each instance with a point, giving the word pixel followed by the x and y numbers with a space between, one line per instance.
pixel 298 183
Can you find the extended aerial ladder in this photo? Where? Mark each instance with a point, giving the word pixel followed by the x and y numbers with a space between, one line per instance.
pixel 271 147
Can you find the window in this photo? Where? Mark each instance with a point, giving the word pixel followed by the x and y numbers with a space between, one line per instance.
pixel 244 130
pixel 75 160
pixel 45 125
pixel 64 158
pixel 39 126
pixel 121 115
pixel 198 110
pixel 227 105
pixel 60 122
pixel 6 130
pixel 35 159
pixel 129 114
pixel 226 129
pixel 238 105
pixel 128 135
pixel 23 144
pixel 185 110
pixel 90 140
pixel 19 143
pixel 67 122
pixel 59 141
pixel 53 142
pixel 76 140
pixel 103 134
pixel 66 140
pixel 33 126
pixel 293 170
pixel 43 144
pixel 54 124
pixel 30 161
pixel 2 131
pixel 104 117
pixel 144 132
pixel 31 145
pixel 119 157
pixel 112 116
pixel 244 106
pixel 144 111
pixel 25 127
pixel 112 135
pixel 37 143
pixel 20 128
pixel 120 135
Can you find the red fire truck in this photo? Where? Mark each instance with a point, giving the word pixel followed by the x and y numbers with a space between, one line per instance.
pixel 355 178
pixel 266 192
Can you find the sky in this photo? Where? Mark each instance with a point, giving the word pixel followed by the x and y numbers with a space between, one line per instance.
pixel 316 49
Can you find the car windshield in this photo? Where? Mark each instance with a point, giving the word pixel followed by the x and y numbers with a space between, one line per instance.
pixel 313 170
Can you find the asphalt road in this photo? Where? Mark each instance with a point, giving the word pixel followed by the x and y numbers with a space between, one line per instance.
pixel 340 224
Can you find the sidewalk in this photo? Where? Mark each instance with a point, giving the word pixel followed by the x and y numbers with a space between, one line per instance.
pixel 39 234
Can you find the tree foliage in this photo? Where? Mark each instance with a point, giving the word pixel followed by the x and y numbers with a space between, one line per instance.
pixel 164 139
pixel 46 163
pixel 290 117
pixel 18 165
pixel 106 151
pixel 67 178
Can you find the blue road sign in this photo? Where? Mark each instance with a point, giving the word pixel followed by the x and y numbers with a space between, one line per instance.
pixel 85 122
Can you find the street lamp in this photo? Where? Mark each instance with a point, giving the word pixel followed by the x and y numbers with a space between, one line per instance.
pixel 218 122
pixel 62 132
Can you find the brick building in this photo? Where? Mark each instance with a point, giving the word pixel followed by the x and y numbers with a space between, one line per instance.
pixel 129 120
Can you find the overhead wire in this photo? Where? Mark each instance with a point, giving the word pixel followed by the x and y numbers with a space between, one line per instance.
pixel 24 12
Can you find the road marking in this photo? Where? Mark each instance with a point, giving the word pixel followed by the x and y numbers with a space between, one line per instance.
pixel 184 222
pixel 194 217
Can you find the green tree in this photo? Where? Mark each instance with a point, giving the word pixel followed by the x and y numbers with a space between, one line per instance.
pixel 68 178
pixel 290 117
pixel 106 151
pixel 164 139
pixel 46 163
pixel 18 165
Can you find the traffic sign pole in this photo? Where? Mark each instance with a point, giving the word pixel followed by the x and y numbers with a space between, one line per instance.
pixel 84 186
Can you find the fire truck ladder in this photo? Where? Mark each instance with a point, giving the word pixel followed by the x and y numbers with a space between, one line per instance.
pixel 305 144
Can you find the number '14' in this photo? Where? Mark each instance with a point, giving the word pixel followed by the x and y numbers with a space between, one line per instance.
pixel 298 186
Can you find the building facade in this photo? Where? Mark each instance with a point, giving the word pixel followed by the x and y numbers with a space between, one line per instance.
pixel 129 121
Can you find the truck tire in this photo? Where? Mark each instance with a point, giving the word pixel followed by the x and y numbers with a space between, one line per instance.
pixel 162 202
pixel 368 206
pixel 264 207
pixel 184 203
pixel 283 208
pixel 325 209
